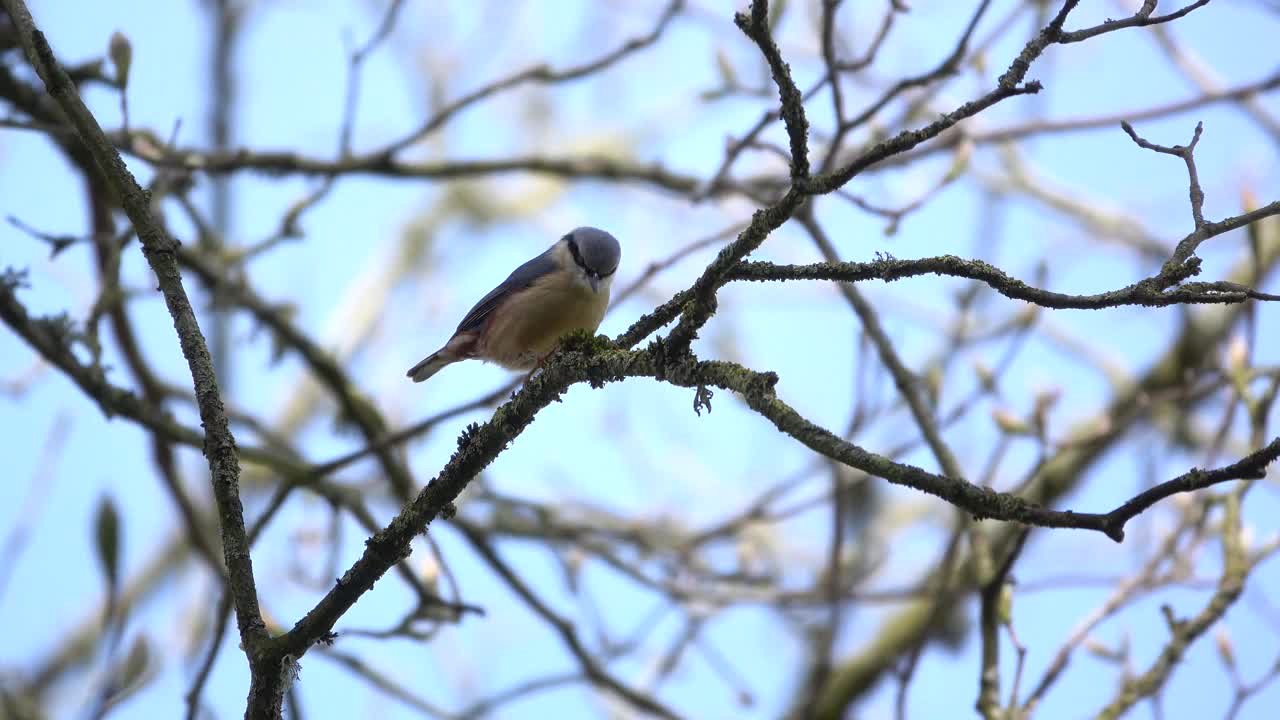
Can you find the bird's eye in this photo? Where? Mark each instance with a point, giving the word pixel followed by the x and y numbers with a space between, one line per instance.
pixel 573 250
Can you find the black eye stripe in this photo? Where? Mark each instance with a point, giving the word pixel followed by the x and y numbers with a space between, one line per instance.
pixel 573 250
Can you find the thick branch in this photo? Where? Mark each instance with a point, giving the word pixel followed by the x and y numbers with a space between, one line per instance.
pixel 480 445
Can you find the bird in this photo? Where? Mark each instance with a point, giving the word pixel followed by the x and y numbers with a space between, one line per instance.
pixel 519 323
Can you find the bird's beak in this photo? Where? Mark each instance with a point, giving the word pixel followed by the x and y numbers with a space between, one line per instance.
pixel 594 279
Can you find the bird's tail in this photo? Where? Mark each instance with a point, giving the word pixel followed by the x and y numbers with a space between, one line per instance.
pixel 431 365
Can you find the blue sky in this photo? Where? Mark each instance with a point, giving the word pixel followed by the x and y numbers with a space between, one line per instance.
pixel 634 448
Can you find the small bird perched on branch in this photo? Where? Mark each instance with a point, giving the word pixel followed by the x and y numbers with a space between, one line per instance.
pixel 518 323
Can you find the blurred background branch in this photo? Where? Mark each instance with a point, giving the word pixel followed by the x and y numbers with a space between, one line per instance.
pixel 344 181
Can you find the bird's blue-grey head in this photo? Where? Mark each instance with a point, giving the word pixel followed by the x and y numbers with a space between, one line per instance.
pixel 596 253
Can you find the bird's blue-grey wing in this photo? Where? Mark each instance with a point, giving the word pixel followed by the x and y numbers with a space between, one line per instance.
pixel 521 278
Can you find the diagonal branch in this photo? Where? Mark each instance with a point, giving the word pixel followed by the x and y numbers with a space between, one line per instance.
pixel 756 27
pixel 1142 18
pixel 699 302
pixel 590 360
pixel 158 247
pixel 1251 467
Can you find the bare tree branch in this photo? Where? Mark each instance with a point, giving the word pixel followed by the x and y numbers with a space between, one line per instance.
pixel 220 447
